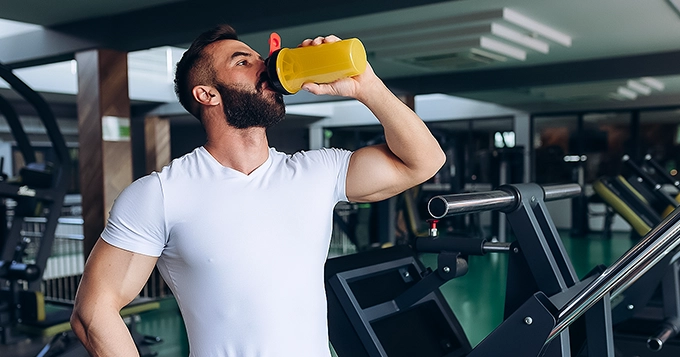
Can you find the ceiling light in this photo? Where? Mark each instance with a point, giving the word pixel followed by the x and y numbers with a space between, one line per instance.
pixel 537 27
pixel 519 38
pixel 653 82
pixel 675 4
pixel 639 87
pixel 439 48
pixel 490 44
pixel 501 31
pixel 487 54
pixel 616 96
pixel 626 93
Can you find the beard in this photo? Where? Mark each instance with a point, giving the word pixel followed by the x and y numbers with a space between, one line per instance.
pixel 246 109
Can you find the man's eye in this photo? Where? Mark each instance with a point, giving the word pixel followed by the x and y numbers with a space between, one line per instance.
pixel 242 63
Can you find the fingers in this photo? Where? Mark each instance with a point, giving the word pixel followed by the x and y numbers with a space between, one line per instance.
pixel 319 40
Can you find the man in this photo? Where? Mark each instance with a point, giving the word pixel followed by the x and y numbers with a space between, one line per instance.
pixel 239 231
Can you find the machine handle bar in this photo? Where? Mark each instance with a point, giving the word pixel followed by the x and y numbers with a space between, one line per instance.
pixel 651 249
pixel 502 199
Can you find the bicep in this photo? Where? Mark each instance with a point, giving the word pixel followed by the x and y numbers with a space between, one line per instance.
pixel 374 174
pixel 114 276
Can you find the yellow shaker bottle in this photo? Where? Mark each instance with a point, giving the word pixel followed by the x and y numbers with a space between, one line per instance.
pixel 290 68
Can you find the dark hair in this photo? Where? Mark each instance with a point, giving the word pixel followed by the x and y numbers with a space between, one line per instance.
pixel 195 68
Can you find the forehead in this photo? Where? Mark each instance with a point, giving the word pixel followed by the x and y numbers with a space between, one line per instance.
pixel 223 50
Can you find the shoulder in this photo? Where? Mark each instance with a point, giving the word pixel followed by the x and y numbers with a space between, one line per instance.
pixel 327 155
pixel 194 162
pixel 142 189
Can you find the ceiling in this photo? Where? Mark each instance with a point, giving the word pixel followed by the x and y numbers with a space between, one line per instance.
pixel 434 47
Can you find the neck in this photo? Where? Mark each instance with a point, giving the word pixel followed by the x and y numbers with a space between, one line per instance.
pixel 243 150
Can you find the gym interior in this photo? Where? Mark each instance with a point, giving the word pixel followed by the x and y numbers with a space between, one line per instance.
pixel 551 230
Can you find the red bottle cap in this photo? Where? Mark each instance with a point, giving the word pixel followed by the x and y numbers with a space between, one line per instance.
pixel 274 43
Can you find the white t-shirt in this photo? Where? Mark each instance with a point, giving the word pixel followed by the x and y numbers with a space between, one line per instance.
pixel 243 254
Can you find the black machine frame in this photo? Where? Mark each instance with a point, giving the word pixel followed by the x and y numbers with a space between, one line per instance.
pixel 553 313
pixel 40 192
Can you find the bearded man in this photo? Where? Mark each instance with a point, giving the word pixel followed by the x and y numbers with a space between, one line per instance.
pixel 239 231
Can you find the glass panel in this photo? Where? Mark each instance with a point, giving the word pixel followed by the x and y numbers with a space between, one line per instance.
pixel 551 141
pixel 660 138
pixel 475 149
pixel 604 140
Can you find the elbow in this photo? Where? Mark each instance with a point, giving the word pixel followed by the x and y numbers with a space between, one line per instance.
pixel 436 162
pixel 77 324
pixel 428 168
pixel 81 320
pixel 440 160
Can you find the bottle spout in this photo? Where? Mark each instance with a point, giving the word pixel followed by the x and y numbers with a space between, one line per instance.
pixel 274 42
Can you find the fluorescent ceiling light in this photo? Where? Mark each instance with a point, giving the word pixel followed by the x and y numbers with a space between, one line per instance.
pixel 616 96
pixel 537 27
pixel 488 54
pixel 471 45
pixel 653 82
pixel 502 48
pixel 519 38
pixel 675 4
pixel 639 87
pixel 627 93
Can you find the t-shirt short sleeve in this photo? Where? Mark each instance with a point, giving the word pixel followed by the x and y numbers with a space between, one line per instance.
pixel 137 219
pixel 338 161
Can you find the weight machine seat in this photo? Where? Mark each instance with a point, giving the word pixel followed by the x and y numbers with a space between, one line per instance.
pixel 627 202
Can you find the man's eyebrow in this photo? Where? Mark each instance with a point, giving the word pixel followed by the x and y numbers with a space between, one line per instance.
pixel 244 54
pixel 241 54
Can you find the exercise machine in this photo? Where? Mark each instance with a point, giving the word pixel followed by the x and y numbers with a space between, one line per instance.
pixel 650 187
pixel 649 311
pixel 549 311
pixel 38 191
pixel 664 178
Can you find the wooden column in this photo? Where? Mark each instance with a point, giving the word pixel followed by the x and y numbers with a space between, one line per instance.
pixel 104 136
pixel 157 143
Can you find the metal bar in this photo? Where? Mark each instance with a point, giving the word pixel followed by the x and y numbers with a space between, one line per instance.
pixel 449 205
pixel 625 271
pixel 44 113
pixel 496 247
pixel 557 192
pixel 662 172
pixel 23 143
pixel 647 179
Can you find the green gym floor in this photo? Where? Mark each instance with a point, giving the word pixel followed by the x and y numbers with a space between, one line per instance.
pixel 476 298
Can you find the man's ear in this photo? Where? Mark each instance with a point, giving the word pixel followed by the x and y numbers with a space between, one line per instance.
pixel 206 95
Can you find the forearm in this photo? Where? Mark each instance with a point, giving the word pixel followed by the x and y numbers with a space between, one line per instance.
pixel 103 335
pixel 407 136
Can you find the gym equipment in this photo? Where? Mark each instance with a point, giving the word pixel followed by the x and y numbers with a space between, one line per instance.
pixel 38 192
pixel 641 264
pixel 661 172
pixel 627 202
pixel 539 272
pixel 664 176
pixel 654 300
pixel 365 320
pixel 666 202
pixel 538 268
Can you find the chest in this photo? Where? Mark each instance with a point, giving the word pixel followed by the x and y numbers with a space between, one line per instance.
pixel 225 223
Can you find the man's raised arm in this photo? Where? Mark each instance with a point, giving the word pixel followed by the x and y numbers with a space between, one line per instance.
pixel 411 154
